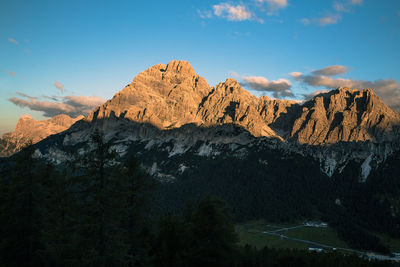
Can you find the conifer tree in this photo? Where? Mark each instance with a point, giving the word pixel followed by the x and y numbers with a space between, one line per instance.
pixel 23 211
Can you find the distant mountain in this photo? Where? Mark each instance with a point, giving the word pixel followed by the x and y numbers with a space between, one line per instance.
pixel 31 130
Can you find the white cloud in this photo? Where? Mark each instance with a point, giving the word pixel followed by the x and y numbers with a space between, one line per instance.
pixel 296 74
pixel 12 40
pixel 329 19
pixel 231 12
pixel 234 74
pixel 279 88
pixel 331 70
pixel 59 86
pixel 70 105
pixel 273 6
pixel 305 21
pixel 204 14
pixel 340 7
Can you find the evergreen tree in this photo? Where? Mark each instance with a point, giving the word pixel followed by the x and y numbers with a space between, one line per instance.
pixel 134 190
pixel 99 233
pixel 23 211
pixel 212 240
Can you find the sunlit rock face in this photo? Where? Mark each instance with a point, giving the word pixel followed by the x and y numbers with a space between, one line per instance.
pixel 346 115
pixel 169 96
pixel 29 130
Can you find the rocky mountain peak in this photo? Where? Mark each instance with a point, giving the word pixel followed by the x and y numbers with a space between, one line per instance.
pixel 180 67
pixel 172 95
pixel 30 130
pixel 345 114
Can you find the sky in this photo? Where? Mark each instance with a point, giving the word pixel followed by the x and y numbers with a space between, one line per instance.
pixel 70 56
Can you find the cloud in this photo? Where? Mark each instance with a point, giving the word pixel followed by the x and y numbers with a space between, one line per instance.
pixel 231 12
pixel 322 21
pixel 387 89
pixel 356 2
pixel 305 21
pixel 70 105
pixel 273 6
pixel 234 74
pixel 329 19
pixel 11 73
pixel 340 7
pixel 204 14
pixel 296 74
pixel 26 96
pixel 331 70
pixel 59 86
pixel 279 88
pixel 313 94
pixel 12 40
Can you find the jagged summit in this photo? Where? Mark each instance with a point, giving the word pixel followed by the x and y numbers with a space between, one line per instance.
pixel 172 95
pixel 348 115
pixel 30 130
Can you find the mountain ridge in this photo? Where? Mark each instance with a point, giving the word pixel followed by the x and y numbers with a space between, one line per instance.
pixel 169 96
pixel 173 108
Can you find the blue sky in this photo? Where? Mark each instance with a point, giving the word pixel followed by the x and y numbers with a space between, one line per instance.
pixel 70 55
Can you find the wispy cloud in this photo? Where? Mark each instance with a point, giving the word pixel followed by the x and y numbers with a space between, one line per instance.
pixel 205 14
pixel 232 12
pixel 339 7
pixel 387 89
pixel 356 2
pixel 331 70
pixel 305 21
pixel 280 88
pixel 329 19
pixel 12 40
pixel 315 93
pixel 59 86
pixel 70 105
pixel 322 21
pixel 273 6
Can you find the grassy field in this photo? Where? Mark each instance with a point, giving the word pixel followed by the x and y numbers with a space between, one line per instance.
pixel 392 244
pixel 251 233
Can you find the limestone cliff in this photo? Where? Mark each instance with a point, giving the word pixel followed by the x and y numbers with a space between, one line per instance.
pixel 169 96
pixel 30 130
pixel 345 115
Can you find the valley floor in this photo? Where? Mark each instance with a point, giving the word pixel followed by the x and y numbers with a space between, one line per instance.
pixel 305 237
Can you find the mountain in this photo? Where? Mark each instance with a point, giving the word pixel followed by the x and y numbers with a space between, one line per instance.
pixel 332 158
pixel 30 130
pixel 171 104
pixel 169 96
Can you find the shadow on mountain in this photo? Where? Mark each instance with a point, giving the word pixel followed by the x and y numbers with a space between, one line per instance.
pixel 257 180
